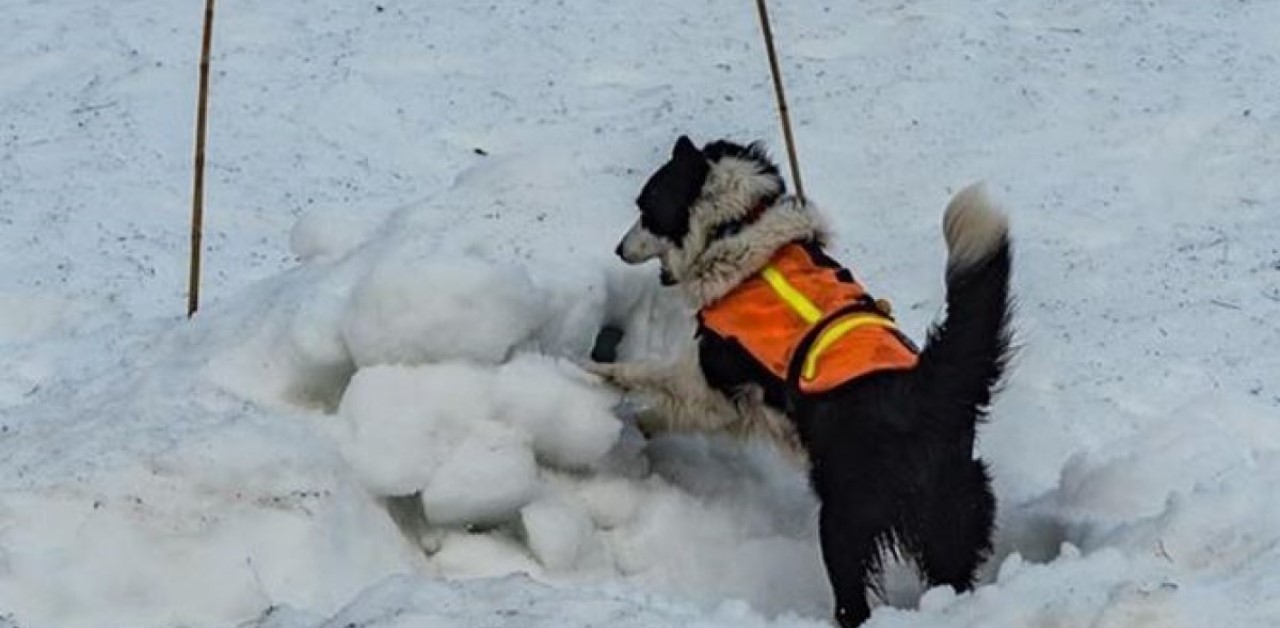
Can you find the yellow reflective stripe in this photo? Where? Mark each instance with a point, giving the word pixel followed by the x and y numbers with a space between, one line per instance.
pixel 788 293
pixel 833 333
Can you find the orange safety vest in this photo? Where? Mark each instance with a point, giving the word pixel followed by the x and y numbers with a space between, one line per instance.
pixel 808 322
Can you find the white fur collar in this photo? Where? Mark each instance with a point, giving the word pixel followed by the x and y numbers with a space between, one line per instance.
pixel 708 274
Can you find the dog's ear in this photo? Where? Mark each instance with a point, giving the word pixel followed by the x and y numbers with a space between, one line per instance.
pixel 685 149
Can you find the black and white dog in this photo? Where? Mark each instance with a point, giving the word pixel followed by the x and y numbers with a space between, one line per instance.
pixel 891 452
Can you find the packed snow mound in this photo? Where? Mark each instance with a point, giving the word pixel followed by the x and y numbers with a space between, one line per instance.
pixel 447 378
pixel 410 405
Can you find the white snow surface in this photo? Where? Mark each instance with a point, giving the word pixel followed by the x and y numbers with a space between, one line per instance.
pixel 376 418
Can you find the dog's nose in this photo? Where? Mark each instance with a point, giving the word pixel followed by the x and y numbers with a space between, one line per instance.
pixel 618 251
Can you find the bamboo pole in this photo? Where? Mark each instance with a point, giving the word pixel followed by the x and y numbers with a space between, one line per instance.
pixel 197 192
pixel 781 98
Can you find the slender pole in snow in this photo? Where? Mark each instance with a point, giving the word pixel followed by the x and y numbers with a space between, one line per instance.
pixel 197 194
pixel 782 99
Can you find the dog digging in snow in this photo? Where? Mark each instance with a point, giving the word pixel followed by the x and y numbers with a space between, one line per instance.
pixel 791 346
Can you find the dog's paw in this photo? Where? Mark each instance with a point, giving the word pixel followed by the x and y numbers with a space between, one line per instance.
pixel 608 372
pixel 641 410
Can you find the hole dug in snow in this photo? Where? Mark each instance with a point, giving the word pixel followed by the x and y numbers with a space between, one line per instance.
pixel 605 348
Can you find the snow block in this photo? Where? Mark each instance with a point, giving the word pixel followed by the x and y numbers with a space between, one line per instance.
pixel 556 532
pixel 569 418
pixel 485 480
pixel 411 310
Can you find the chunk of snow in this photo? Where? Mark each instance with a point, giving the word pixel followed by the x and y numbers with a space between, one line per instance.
pixel 415 310
pixel 568 416
pixel 404 422
pixel 484 479
pixel 556 531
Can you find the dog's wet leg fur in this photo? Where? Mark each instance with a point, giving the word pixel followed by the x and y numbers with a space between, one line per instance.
pixel 955 534
pixel 851 540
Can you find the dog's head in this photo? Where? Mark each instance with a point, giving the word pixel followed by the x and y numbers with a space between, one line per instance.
pixel 696 198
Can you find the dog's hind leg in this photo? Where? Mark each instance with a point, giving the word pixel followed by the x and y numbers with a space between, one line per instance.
pixel 853 530
pixel 954 536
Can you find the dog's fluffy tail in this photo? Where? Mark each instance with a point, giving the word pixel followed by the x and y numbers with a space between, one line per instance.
pixel 966 353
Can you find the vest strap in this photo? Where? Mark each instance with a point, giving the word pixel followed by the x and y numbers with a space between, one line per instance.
pixel 804 351
pixel 792 297
pixel 833 331
pixel 828 331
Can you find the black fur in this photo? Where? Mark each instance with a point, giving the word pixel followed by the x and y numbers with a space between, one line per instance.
pixel 891 453
pixel 755 151
pixel 665 199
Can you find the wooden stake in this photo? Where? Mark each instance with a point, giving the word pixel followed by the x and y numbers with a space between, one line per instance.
pixel 782 99
pixel 197 193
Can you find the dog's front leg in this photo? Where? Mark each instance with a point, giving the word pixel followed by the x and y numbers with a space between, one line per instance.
pixel 674 396
pixel 630 376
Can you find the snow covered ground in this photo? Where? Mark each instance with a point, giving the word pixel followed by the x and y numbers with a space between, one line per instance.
pixel 375 419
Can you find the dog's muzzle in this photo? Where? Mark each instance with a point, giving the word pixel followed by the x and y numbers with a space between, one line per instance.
pixel 640 245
